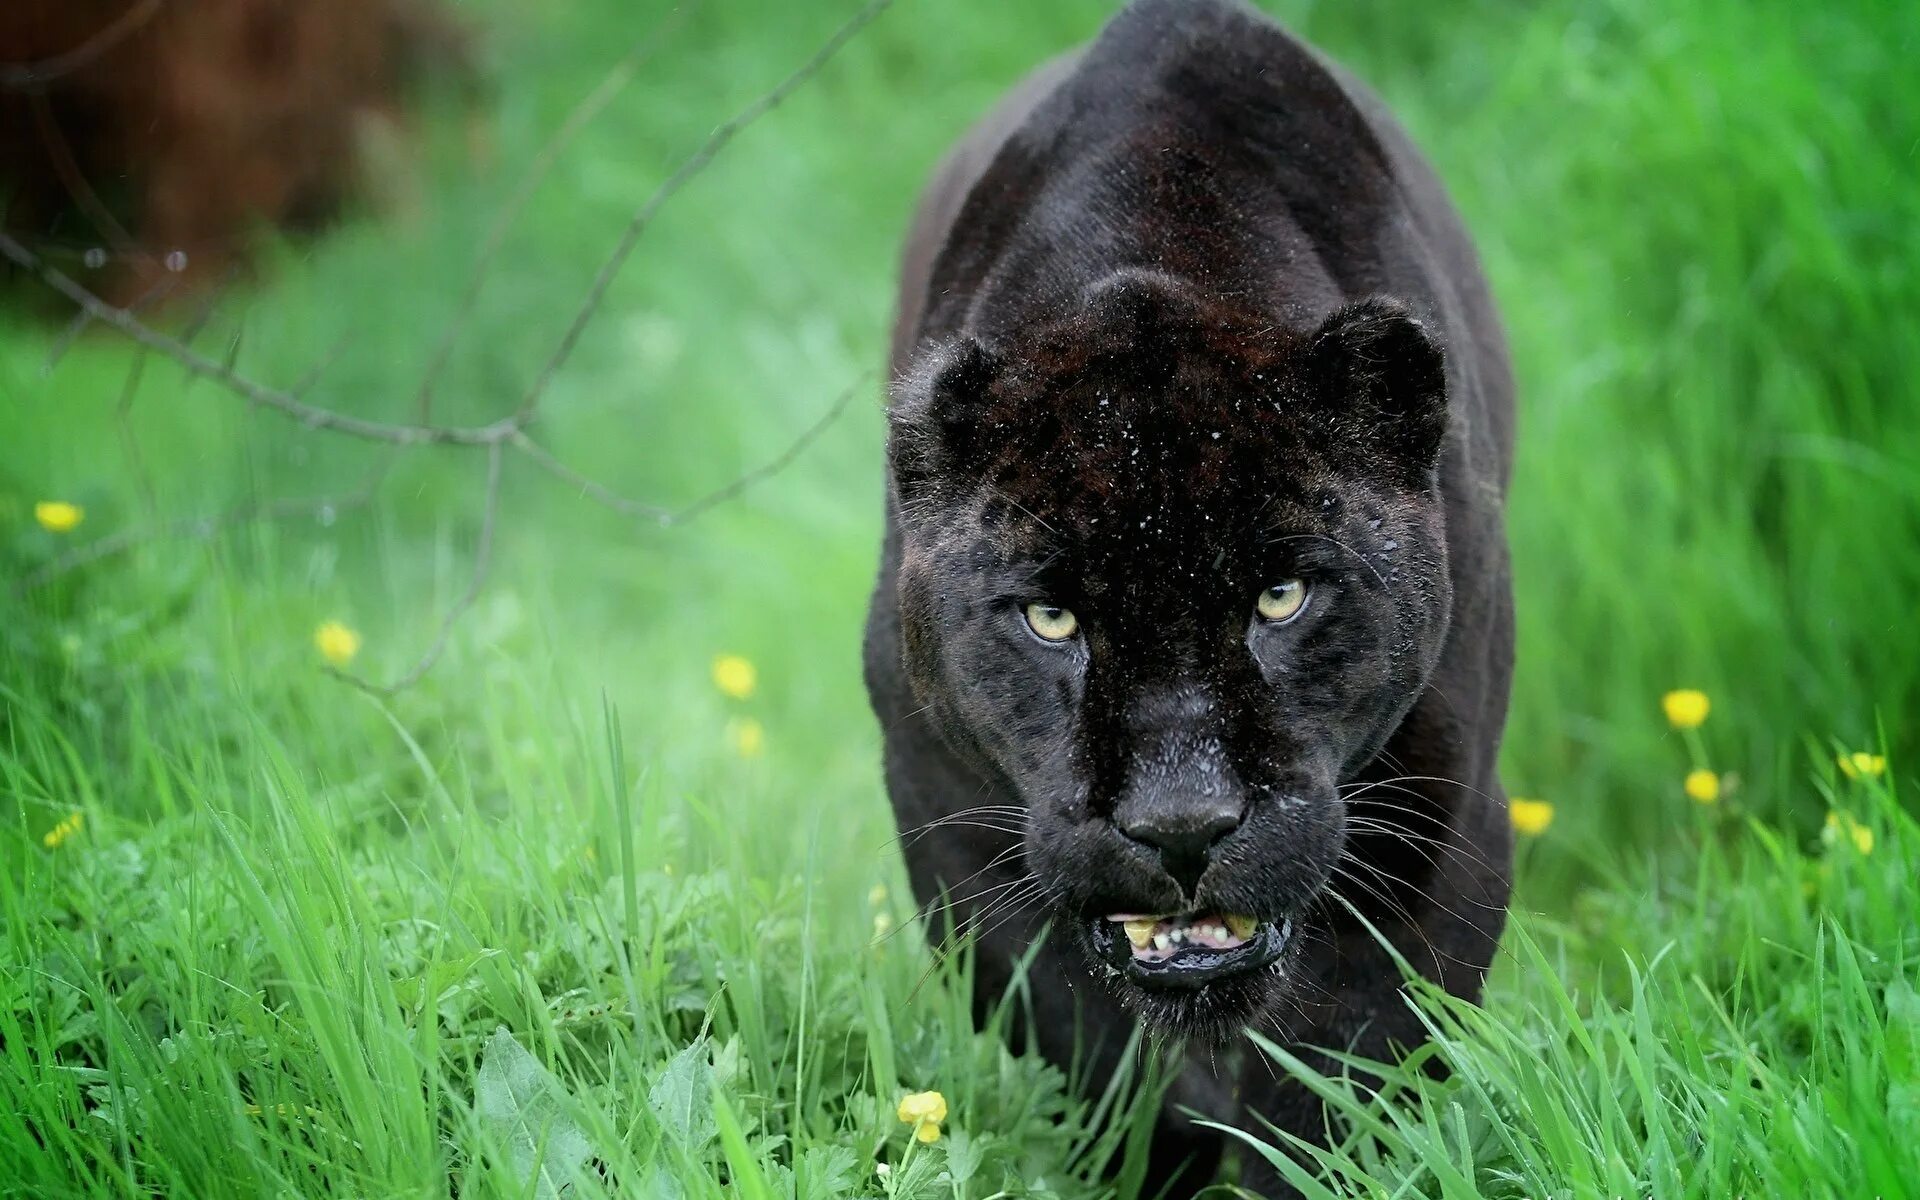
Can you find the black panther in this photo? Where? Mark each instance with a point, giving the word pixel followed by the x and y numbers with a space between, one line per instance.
pixel 1194 621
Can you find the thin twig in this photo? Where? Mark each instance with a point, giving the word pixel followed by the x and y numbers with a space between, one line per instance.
pixel 322 508
pixel 589 107
pixel 78 326
pixel 497 436
pixel 24 75
pixel 482 565
pixel 306 382
pixel 695 163
pixel 601 494
pixel 75 181
pixel 254 393
pixel 773 466
pixel 123 411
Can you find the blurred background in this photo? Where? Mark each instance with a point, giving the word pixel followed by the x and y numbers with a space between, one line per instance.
pixel 1699 224
pixel 1700 220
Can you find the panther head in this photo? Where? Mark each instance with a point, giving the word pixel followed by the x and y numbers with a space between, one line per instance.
pixel 1171 573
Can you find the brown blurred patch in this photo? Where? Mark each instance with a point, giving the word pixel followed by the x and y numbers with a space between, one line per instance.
pixel 161 132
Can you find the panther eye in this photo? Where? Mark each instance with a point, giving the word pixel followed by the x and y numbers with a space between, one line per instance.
pixel 1283 601
pixel 1052 623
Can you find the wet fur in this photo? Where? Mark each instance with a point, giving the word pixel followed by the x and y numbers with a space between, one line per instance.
pixel 1185 316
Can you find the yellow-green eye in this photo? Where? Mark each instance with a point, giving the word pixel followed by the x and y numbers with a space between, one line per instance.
pixel 1051 622
pixel 1283 601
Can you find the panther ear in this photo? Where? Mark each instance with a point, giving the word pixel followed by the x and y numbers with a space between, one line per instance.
pixel 1382 379
pixel 934 418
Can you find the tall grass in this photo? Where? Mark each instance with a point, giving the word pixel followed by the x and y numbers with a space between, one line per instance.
pixel 277 953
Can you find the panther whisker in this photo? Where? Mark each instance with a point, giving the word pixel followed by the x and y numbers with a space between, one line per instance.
pixel 1321 537
pixel 1017 901
pixel 934 909
pixel 1463 854
pixel 1389 877
pixel 1395 908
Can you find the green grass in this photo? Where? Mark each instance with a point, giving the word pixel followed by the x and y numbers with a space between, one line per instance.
pixel 275 957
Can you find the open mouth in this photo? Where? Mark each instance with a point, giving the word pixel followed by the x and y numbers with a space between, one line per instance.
pixel 1188 950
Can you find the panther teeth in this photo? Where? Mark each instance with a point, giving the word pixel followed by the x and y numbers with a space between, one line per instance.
pixel 1156 939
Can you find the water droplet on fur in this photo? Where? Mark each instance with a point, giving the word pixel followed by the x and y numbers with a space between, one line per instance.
pixel 176 261
pixel 1374 524
pixel 1389 544
pixel 95 258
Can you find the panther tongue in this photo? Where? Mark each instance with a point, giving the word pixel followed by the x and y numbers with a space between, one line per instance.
pixel 1155 939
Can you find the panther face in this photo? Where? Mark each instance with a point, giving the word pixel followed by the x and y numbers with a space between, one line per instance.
pixel 1172 574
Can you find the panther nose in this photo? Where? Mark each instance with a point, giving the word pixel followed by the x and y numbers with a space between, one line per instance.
pixel 1183 835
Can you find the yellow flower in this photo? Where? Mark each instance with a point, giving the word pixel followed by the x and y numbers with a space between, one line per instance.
pixel 748 736
pixel 882 922
pixel 1862 765
pixel 1703 786
pixel 1841 824
pixel 58 516
pixel 1530 817
pixel 68 826
pixel 336 642
pixel 877 895
pixel 1686 708
pixel 924 1111
pixel 734 676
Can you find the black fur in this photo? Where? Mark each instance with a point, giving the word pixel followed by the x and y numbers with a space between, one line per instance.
pixel 1187 316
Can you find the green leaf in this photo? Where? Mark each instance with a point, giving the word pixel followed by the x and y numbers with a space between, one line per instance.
pixel 827 1171
pixel 1903 1055
pixel 963 1157
pixel 681 1097
pixel 525 1108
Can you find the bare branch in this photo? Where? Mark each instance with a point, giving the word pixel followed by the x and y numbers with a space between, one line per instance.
pixel 254 393
pixel 482 566
pixel 772 466
pixel 589 107
pixel 599 493
pixel 143 479
pixel 78 326
pixel 25 75
pixel 643 215
pixel 312 377
pixel 496 436
pixel 70 176
pixel 666 517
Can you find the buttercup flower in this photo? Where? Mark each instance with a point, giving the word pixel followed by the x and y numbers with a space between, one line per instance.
pixel 1530 817
pixel 1842 825
pixel 748 736
pixel 924 1111
pixel 882 923
pixel 1862 765
pixel 877 894
pixel 68 826
pixel 336 642
pixel 1703 786
pixel 1686 708
pixel 58 516
pixel 734 676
